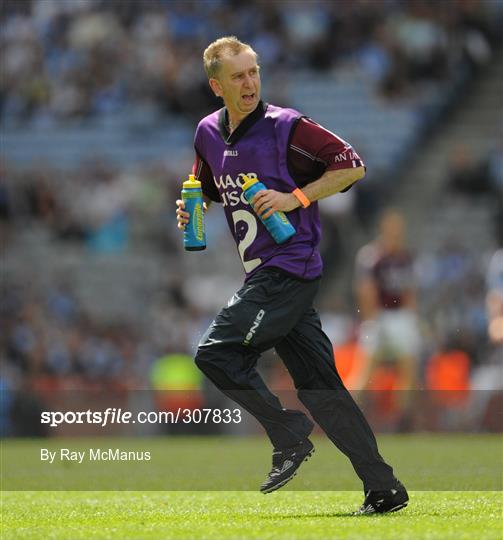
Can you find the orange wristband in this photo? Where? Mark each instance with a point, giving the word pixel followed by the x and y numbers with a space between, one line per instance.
pixel 304 201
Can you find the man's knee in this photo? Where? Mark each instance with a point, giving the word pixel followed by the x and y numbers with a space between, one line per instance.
pixel 211 356
pixel 203 359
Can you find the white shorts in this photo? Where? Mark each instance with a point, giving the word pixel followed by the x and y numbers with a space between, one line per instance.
pixel 393 335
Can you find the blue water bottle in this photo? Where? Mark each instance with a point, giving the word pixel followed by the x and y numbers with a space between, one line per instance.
pixel 194 236
pixel 277 224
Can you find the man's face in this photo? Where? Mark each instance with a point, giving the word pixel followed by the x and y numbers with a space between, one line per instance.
pixel 392 228
pixel 238 83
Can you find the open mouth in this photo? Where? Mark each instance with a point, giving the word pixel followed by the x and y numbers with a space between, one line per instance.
pixel 248 98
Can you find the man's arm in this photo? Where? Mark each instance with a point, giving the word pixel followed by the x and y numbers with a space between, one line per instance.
pixel 321 164
pixel 367 298
pixel 410 299
pixel 330 183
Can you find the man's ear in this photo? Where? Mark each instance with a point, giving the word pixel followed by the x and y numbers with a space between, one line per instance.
pixel 216 87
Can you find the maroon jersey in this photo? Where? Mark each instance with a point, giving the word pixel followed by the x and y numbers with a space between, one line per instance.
pixel 312 150
pixel 392 273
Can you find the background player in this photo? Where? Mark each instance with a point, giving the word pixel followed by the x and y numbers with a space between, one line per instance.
pixel 386 292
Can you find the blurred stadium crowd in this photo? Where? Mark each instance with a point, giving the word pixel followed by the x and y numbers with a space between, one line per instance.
pixel 72 62
pixel 68 59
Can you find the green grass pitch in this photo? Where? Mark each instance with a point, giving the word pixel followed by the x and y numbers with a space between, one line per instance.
pixel 303 511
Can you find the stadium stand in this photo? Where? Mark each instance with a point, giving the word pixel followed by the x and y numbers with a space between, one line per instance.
pixel 97 108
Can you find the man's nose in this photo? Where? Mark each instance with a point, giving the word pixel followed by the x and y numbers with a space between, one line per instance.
pixel 248 81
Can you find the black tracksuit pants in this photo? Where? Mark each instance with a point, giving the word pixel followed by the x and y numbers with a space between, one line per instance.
pixel 273 309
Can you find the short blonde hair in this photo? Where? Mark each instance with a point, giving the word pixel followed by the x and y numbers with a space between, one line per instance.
pixel 212 56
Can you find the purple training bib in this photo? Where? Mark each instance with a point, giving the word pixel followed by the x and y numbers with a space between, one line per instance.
pixel 261 153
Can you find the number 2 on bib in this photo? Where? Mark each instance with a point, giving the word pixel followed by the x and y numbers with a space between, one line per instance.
pixel 247 241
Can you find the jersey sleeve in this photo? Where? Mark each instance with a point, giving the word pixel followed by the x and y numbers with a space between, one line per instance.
pixel 203 173
pixel 313 150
